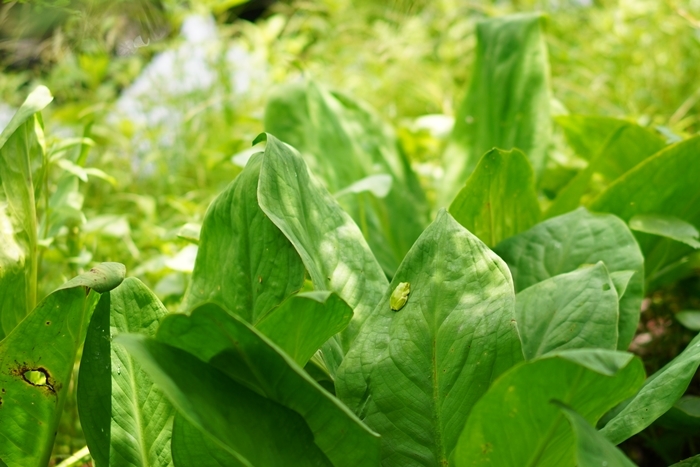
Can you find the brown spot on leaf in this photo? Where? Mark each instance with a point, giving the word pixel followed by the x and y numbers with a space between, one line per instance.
pixel 36 376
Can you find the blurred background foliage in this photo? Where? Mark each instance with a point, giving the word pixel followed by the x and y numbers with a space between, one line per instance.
pixel 157 102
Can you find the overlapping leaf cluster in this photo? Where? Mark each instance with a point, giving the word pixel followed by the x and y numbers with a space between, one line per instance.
pixel 511 347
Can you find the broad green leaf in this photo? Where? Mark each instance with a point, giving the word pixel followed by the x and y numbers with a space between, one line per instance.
pixel 626 147
pixel 244 263
pixel 250 359
pixel 507 105
pixel 192 447
pixel 329 242
pixel 36 364
pixel 126 419
pixel 255 430
pixel 574 310
pixel 666 226
pixel 414 374
pixel 515 425
pixel 690 462
pixel 660 391
pixel 664 183
pixel 304 322
pixel 357 157
pixel 689 319
pixel 499 199
pixel 588 134
pixel 592 449
pixel 21 147
pixel 565 243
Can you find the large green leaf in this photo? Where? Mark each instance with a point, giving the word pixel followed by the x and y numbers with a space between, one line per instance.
pixel 194 448
pixel 499 199
pixel 255 430
pixel 244 263
pixel 665 183
pixel 414 375
pixel 587 134
pixel 343 141
pixel 21 146
pixel 507 105
pixel 565 243
pixel 592 449
pixel 329 242
pixel 36 364
pixel 656 397
pixel 250 359
pixel 626 147
pixel 126 419
pixel 304 322
pixel 574 310
pixel 515 425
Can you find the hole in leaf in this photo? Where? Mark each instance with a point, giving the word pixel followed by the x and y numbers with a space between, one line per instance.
pixel 48 323
pixel 35 377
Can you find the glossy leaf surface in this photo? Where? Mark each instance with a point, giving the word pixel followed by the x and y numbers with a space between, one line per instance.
pixel 34 378
pixel 126 419
pixel 656 397
pixel 565 243
pixel 574 310
pixel 244 262
pixel 499 199
pixel 507 104
pixel 250 359
pixel 252 428
pixel 414 375
pixel 328 241
pixel 514 424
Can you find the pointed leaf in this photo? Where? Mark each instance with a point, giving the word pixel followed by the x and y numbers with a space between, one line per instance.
pixel 330 244
pixel 656 397
pixel 666 226
pixel 592 449
pixel 514 424
pixel 564 243
pixel 304 322
pixel 414 374
pixel 250 427
pixel 249 358
pixel 36 364
pixel 244 263
pixel 507 105
pixel 126 419
pixel 569 311
pixel 499 199
pixel 348 147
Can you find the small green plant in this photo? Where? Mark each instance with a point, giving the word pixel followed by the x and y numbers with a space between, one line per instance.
pixel 329 321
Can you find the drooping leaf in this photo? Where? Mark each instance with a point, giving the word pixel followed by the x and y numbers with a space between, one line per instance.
pixel 36 364
pixel 664 183
pixel 666 226
pixel 21 148
pixel 626 147
pixel 328 241
pixel 507 105
pixel 660 391
pixel 574 310
pixel 250 359
pixel 126 419
pixel 499 199
pixel 565 243
pixel 357 157
pixel 244 262
pixel 587 134
pixel 592 449
pixel 304 322
pixel 250 427
pixel 413 375
pixel 514 424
